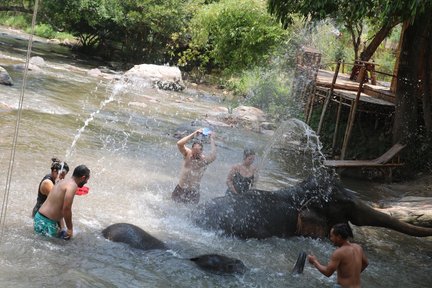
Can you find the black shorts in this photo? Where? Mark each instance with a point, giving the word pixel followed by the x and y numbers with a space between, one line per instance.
pixel 185 195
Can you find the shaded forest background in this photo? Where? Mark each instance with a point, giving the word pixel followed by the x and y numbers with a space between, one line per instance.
pixel 250 47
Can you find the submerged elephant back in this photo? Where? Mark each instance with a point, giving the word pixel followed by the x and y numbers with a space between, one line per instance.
pixel 252 215
pixel 219 264
pixel 132 235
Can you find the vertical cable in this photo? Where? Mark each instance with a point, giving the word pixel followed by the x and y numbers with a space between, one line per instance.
pixel 17 126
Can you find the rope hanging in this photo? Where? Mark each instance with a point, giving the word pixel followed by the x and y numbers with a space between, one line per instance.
pixel 17 126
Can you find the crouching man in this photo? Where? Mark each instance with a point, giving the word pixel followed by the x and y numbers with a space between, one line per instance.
pixel 58 205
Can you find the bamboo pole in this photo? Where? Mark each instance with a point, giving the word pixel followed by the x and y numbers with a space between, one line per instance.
pixel 311 98
pixel 335 132
pixel 351 116
pixel 310 106
pixel 328 97
pixel 393 85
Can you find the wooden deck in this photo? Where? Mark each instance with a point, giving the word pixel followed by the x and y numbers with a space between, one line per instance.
pixel 346 88
pixel 318 88
pixel 336 87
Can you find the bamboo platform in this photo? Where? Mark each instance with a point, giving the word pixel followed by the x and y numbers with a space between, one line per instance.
pixel 332 86
pixel 370 93
pixel 365 94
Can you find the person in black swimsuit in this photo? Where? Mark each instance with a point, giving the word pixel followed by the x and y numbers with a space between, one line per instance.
pixel 242 176
pixel 58 171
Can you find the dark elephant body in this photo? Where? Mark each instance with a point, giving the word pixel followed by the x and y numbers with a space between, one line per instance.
pixel 310 208
pixel 138 238
pixel 262 214
pixel 132 235
pixel 219 264
pixel 258 215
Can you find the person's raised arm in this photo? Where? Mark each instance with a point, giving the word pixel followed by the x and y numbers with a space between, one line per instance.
pixel 212 156
pixel 181 144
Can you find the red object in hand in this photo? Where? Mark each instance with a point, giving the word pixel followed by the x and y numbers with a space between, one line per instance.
pixel 82 190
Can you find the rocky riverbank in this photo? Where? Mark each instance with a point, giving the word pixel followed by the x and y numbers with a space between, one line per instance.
pixel 412 201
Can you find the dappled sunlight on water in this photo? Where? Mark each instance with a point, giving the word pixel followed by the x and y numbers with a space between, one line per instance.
pixel 125 135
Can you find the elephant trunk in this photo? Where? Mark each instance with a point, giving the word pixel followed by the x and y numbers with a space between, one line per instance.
pixel 364 215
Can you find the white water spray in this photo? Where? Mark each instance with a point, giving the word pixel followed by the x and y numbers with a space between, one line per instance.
pixel 117 90
pixel 296 147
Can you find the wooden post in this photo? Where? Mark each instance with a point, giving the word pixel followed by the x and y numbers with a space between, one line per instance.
pixel 352 114
pixel 310 106
pixel 393 85
pixel 311 98
pixel 335 132
pixel 328 97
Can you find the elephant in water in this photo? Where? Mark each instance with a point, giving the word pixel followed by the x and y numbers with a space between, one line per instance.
pixel 132 235
pixel 138 238
pixel 310 208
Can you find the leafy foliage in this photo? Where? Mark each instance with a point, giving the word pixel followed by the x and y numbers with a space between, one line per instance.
pixel 231 35
pixel 346 10
pixel 19 22
pixel 413 111
pixel 137 30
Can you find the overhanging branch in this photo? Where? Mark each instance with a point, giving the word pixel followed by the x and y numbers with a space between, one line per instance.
pixel 16 9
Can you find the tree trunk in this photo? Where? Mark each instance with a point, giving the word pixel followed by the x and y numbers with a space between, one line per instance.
pixel 355 40
pixel 426 77
pixel 370 49
pixel 376 41
pixel 413 122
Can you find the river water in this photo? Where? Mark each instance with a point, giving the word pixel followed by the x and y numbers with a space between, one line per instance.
pixel 124 134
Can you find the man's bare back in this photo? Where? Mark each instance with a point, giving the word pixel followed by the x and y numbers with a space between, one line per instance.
pixel 58 205
pixel 62 194
pixel 350 264
pixel 349 260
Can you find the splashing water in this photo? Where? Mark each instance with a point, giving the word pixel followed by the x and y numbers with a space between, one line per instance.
pixel 296 148
pixel 117 90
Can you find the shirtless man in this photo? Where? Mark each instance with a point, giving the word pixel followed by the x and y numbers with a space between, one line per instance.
pixel 193 168
pixel 348 260
pixel 58 205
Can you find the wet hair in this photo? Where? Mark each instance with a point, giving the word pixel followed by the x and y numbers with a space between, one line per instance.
pixel 58 165
pixel 248 152
pixel 197 142
pixel 343 230
pixel 80 171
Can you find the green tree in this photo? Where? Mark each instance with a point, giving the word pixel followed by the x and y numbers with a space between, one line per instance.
pixel 413 115
pixel 350 14
pixel 24 6
pixel 232 35
pixel 137 30
pixel 92 21
pixel 149 25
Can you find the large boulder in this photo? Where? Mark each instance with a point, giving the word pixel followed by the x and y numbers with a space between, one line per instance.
pixel 162 77
pixel 37 61
pixel 5 79
pixel 247 117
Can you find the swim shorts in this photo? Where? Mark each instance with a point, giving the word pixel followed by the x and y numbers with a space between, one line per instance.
pixel 185 195
pixel 45 226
